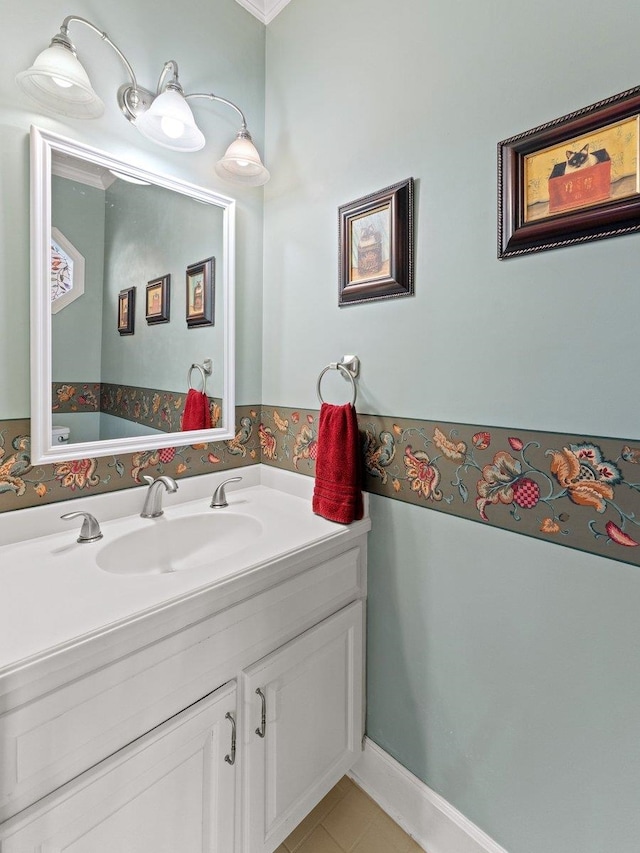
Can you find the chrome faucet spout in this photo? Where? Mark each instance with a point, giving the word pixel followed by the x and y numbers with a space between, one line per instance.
pixel 153 502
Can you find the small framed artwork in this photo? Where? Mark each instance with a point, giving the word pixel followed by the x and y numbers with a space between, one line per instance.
pixel 158 300
pixel 376 245
pixel 200 293
pixel 126 311
pixel 572 180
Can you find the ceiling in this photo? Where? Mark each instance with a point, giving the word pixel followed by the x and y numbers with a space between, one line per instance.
pixel 264 10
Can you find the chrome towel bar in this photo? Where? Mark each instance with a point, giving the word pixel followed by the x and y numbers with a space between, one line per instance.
pixel 206 369
pixel 349 366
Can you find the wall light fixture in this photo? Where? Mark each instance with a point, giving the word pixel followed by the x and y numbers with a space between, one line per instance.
pixel 58 82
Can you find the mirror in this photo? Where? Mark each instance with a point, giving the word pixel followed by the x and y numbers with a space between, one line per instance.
pixel 132 292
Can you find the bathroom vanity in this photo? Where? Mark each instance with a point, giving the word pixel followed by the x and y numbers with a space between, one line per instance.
pixel 204 705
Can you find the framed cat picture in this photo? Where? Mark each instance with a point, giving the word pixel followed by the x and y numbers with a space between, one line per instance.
pixel 574 179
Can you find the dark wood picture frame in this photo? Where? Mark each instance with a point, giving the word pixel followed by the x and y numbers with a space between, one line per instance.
pixel 589 200
pixel 158 300
pixel 127 311
pixel 201 293
pixel 376 245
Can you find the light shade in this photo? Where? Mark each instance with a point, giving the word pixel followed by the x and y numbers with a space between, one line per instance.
pixel 169 122
pixel 58 82
pixel 242 164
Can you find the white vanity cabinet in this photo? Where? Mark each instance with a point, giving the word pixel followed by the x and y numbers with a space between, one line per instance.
pixel 169 791
pixel 123 741
pixel 306 700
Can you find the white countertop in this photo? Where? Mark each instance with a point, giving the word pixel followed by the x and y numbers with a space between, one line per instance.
pixel 53 592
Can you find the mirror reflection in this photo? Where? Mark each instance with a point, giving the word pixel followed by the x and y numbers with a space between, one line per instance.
pixel 136 291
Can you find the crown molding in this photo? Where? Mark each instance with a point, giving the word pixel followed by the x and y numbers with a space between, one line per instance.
pixel 264 10
pixel 82 173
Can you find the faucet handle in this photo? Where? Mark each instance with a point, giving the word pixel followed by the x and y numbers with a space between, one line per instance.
pixel 219 499
pixel 90 530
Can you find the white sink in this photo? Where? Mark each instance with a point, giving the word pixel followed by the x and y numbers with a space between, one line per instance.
pixel 176 544
pixel 55 591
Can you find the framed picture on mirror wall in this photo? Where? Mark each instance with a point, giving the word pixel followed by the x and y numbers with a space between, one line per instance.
pixel 376 245
pixel 126 311
pixel 200 293
pixel 158 300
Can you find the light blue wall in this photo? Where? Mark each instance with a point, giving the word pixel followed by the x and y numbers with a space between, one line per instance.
pixel 78 211
pixel 112 427
pixel 135 234
pixel 219 47
pixel 364 94
pixel 83 426
pixel 151 232
pixel 502 671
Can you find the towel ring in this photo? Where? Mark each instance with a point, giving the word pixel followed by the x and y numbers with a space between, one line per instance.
pixel 345 372
pixel 205 370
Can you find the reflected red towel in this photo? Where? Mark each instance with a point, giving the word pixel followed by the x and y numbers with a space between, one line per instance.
pixel 337 493
pixel 197 414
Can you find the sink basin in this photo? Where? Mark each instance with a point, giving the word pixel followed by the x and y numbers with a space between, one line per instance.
pixel 169 545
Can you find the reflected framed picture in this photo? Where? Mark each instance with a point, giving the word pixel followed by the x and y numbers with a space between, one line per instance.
pixel 201 293
pixel 158 300
pixel 376 245
pixel 572 180
pixel 127 311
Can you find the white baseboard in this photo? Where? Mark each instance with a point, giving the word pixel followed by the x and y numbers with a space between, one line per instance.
pixel 426 816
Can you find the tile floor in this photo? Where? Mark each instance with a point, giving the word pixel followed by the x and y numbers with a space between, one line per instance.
pixel 348 821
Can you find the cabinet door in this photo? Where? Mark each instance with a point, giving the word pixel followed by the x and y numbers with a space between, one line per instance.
pixel 171 790
pixel 302 726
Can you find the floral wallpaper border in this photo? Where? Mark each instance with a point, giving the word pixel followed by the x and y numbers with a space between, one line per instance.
pixel 71 397
pixel 24 485
pixel 574 490
pixel 152 407
pixel 579 491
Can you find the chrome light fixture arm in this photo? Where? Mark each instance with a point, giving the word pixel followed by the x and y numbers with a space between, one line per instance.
pixel 64 32
pixel 211 97
pixel 57 81
pixel 170 66
pixel 241 161
pixel 132 99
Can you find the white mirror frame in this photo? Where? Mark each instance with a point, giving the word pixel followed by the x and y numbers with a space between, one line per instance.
pixel 43 143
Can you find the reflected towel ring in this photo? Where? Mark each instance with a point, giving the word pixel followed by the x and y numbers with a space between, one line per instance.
pixel 345 372
pixel 203 374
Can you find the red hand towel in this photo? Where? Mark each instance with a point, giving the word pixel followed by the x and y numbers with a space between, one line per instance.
pixel 197 414
pixel 337 492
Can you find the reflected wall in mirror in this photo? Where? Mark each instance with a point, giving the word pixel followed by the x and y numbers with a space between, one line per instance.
pixel 94 391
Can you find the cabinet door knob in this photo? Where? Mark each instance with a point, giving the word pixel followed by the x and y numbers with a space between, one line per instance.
pixel 263 722
pixel 231 759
